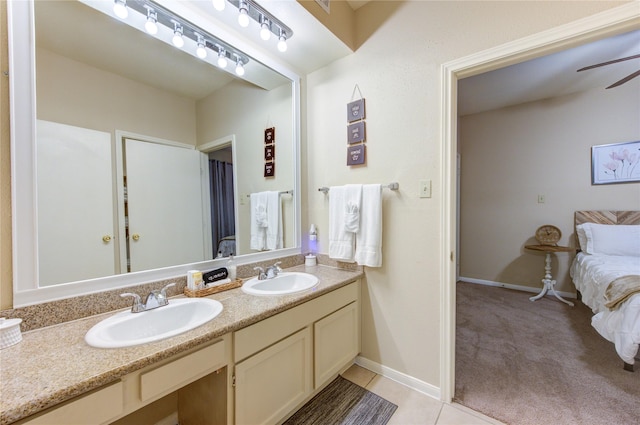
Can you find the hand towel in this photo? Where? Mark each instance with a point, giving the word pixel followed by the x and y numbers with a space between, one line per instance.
pixel 369 237
pixel 258 217
pixel 341 242
pixel 274 220
pixel 353 201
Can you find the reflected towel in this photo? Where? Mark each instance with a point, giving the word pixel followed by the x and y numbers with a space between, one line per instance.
pixel 369 237
pixel 258 217
pixel 274 220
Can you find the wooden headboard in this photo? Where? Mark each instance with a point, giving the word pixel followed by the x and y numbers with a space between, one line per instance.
pixel 608 217
pixel 605 217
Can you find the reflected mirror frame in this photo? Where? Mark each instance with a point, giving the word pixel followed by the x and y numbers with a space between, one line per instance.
pixel 20 20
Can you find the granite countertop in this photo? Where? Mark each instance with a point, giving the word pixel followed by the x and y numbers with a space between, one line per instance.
pixel 54 364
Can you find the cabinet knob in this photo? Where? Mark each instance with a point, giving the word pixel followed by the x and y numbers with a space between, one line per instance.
pixel 106 239
pixel 135 237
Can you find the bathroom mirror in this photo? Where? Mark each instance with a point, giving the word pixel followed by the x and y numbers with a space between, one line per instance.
pixel 69 81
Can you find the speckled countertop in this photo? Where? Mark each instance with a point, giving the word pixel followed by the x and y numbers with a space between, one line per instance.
pixel 54 364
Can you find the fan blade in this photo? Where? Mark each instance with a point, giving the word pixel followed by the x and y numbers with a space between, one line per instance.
pixel 624 80
pixel 609 62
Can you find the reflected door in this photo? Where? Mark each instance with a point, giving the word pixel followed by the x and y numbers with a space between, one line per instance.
pixel 76 237
pixel 164 205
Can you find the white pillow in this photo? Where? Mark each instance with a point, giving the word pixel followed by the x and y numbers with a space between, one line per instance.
pixel 582 237
pixel 610 239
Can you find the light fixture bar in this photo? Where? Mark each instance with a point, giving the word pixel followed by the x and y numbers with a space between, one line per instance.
pixel 258 13
pixel 169 19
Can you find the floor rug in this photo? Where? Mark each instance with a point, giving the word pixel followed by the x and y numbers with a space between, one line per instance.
pixel 344 403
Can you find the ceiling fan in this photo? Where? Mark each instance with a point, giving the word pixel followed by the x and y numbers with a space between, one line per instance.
pixel 619 82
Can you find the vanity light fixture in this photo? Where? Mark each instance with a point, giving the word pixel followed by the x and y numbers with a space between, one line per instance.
pixel 282 41
pixel 243 16
pixel 250 10
pixel 222 58
pixel 149 16
pixel 201 50
pixel 239 66
pixel 265 29
pixel 120 9
pixel 177 39
pixel 219 5
pixel 151 26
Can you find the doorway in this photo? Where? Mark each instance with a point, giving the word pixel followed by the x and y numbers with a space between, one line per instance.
pixel 606 24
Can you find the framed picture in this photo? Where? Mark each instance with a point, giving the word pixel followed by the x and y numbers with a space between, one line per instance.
pixel 355 110
pixel 269 169
pixel 269 135
pixel 356 155
pixel 355 132
pixel 270 153
pixel 615 163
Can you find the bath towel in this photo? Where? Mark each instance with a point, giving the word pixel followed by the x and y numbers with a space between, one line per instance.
pixel 274 221
pixel 258 221
pixel 341 242
pixel 369 237
pixel 353 201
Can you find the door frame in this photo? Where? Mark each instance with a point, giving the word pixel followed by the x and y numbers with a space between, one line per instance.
pixel 605 24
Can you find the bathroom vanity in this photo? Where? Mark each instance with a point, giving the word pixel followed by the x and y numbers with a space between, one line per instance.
pixel 257 362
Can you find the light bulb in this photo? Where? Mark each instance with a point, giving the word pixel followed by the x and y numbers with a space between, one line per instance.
pixel 151 26
pixel 201 50
pixel 177 39
pixel 219 5
pixel 265 31
pixel 282 43
pixel 243 17
pixel 120 9
pixel 222 59
pixel 239 68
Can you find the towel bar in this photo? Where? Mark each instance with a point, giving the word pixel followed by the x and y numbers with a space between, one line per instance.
pixel 390 186
pixel 284 192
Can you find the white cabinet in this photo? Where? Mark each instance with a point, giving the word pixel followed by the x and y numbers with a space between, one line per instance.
pixel 274 381
pixel 282 360
pixel 336 342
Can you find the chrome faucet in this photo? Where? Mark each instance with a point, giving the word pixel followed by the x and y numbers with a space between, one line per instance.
pixel 154 299
pixel 270 272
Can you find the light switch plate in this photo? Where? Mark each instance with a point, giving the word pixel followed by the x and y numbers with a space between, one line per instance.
pixel 425 188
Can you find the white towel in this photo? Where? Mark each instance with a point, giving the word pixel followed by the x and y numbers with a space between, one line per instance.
pixel 369 237
pixel 353 202
pixel 274 221
pixel 258 219
pixel 341 242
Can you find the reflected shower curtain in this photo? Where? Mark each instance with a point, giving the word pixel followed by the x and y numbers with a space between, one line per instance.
pixel 222 205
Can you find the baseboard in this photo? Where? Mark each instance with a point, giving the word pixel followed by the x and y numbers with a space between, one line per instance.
pixel 404 379
pixel 514 287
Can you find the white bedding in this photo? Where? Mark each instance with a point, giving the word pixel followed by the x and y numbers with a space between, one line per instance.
pixel 591 275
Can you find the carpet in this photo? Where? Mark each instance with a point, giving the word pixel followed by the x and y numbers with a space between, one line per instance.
pixel 531 363
pixel 344 403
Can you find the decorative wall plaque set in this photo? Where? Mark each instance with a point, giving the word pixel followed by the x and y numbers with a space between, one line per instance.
pixel 270 152
pixel 356 135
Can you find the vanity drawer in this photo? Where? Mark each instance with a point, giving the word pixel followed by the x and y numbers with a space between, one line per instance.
pixel 98 407
pixel 180 372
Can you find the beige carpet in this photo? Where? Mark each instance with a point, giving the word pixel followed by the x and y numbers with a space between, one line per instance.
pixel 540 362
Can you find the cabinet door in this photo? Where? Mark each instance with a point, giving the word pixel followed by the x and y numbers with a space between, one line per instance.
pixel 337 342
pixel 273 382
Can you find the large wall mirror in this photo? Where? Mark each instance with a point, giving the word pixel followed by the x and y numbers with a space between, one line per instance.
pixel 135 160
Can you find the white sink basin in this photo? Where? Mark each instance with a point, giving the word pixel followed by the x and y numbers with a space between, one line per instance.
pixel 283 284
pixel 126 329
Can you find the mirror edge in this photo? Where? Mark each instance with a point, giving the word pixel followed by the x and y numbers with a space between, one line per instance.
pixel 22 105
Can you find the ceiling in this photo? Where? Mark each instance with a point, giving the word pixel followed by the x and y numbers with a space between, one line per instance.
pixel 552 75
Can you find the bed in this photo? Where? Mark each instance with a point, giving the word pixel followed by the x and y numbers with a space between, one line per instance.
pixel 606 272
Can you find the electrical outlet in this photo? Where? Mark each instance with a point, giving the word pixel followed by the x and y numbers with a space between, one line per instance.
pixel 541 199
pixel 425 188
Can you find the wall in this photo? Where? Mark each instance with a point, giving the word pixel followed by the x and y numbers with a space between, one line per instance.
pixel 397 68
pixel 511 155
pixel 6 271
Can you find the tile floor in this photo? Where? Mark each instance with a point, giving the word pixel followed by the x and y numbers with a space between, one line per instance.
pixel 415 408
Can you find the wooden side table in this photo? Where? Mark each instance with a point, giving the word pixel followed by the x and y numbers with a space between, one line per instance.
pixel 548 282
